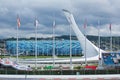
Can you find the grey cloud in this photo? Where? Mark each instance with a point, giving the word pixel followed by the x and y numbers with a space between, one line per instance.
pixel 107 11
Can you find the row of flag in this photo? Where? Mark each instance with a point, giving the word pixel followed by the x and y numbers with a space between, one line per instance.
pixel 85 25
pixel 36 23
pixel 18 22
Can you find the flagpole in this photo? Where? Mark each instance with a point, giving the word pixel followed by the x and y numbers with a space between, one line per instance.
pixel 110 39
pixel 18 25
pixel 53 44
pixel 70 50
pixel 17 45
pixel 36 44
pixel 99 38
pixel 100 59
pixel 85 24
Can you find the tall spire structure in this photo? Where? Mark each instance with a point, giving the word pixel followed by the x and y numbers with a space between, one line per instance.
pixel 91 49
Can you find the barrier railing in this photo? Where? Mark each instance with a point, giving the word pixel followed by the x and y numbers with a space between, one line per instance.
pixel 61 72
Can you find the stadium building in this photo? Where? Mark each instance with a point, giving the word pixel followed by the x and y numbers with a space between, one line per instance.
pixel 44 47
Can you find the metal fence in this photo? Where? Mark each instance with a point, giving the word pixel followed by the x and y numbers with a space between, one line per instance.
pixel 61 72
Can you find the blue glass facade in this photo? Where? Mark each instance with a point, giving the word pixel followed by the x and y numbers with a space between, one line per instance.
pixel 44 47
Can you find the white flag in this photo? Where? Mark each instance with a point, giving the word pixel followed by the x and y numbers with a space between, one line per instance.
pixel 54 24
pixel 36 23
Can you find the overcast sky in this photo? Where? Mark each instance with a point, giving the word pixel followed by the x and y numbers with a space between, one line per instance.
pixel 106 11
